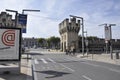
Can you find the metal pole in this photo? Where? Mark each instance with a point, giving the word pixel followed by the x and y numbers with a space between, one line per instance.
pixel 82 36
pixel 111 42
pixel 30 10
pixel 82 32
pixel 86 42
pixel 16 19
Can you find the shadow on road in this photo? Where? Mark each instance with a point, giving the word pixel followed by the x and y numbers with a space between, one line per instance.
pixel 34 53
pixel 9 76
pixel 30 54
pixel 54 73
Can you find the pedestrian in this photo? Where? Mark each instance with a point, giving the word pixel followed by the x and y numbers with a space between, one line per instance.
pixel 74 51
pixel 66 51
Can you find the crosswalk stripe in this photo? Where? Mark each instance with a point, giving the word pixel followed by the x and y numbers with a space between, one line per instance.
pixel 36 61
pixel 51 60
pixel 44 61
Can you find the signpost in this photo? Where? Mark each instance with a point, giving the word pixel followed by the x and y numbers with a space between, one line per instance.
pixel 10 48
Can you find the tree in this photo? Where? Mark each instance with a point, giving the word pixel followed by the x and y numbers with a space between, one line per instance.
pixel 92 38
pixel 53 41
pixel 41 42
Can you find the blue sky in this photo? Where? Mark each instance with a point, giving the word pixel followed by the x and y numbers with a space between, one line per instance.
pixel 45 23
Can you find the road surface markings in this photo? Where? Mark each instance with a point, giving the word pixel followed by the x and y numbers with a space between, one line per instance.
pixel 51 60
pixel 111 69
pixel 44 61
pixel 71 59
pixel 114 70
pixel 36 61
pixel 67 68
pixel 91 64
pixel 86 77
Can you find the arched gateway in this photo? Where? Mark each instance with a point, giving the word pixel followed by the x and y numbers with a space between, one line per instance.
pixel 69 30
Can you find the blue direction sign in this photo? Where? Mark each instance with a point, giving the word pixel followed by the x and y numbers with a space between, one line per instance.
pixel 22 20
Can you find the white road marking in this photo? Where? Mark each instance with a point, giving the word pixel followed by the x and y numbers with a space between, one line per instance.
pixel 51 60
pixel 86 77
pixel 44 61
pixel 91 64
pixel 67 68
pixel 36 61
pixel 71 59
pixel 111 69
pixel 114 70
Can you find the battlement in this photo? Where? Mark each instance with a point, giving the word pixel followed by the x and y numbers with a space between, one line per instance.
pixel 69 25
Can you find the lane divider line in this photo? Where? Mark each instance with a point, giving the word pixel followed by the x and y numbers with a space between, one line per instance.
pixel 86 77
pixel 36 61
pixel 67 68
pixel 51 60
pixel 44 61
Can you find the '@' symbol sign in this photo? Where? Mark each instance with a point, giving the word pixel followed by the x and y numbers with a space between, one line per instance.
pixel 8 38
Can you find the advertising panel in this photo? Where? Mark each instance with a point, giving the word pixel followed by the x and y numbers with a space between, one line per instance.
pixel 22 20
pixel 107 33
pixel 10 44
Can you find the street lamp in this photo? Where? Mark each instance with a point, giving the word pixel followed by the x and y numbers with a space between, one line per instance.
pixel 30 10
pixel 82 31
pixel 108 37
pixel 16 15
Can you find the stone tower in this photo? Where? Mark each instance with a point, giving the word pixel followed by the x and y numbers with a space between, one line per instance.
pixel 69 30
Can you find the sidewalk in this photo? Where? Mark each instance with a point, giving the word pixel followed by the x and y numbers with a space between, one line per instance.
pixel 25 74
pixel 100 57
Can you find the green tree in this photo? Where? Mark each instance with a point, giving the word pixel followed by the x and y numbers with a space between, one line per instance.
pixel 41 42
pixel 53 42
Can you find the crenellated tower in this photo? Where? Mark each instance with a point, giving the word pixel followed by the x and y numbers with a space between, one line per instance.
pixel 69 30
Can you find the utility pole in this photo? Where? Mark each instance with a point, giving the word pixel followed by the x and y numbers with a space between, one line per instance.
pixel 82 31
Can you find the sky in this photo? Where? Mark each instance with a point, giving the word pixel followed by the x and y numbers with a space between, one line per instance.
pixel 52 12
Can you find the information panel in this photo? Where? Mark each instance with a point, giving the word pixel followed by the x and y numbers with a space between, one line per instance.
pixel 10 41
pixel 107 33
pixel 22 20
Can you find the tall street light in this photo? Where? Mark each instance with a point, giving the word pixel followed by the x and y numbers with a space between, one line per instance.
pixel 108 37
pixel 16 15
pixel 30 10
pixel 82 31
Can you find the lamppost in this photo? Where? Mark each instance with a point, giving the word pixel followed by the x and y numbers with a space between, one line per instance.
pixel 16 15
pixel 108 37
pixel 82 31
pixel 86 42
pixel 30 10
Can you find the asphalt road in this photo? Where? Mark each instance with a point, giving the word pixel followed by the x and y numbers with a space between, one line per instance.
pixel 58 66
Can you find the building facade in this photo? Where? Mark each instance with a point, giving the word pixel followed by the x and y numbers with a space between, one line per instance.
pixel 98 45
pixel 6 20
pixel 30 42
pixel 69 30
